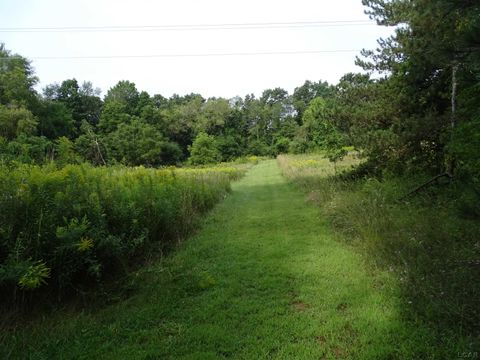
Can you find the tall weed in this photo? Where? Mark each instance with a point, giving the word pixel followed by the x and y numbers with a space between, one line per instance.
pixel 62 230
pixel 426 240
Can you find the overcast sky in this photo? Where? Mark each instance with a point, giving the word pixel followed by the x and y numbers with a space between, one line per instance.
pixel 225 76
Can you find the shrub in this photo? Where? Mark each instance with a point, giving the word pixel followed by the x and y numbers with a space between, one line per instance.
pixel 204 150
pixel 66 229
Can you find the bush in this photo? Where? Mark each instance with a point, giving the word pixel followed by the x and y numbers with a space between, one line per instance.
pixel 69 228
pixel 464 149
pixel 204 150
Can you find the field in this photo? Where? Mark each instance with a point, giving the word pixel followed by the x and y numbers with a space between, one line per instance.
pixel 265 277
pixel 428 241
pixel 151 212
pixel 66 230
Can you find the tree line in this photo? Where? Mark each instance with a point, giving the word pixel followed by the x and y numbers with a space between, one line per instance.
pixel 70 122
pixel 414 107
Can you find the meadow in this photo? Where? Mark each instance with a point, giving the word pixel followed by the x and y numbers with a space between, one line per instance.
pixel 264 277
pixel 428 240
pixel 135 226
pixel 66 230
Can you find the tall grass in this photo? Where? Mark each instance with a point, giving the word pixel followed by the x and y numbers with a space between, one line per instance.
pixel 427 240
pixel 62 230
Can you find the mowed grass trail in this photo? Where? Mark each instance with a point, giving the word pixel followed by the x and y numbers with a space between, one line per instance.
pixel 262 279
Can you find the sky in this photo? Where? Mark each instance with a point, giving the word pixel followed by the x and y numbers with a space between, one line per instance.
pixel 159 69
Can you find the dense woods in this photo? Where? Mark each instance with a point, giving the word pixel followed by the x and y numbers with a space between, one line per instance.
pixel 70 123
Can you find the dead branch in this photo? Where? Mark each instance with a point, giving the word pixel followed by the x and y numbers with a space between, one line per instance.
pixel 424 185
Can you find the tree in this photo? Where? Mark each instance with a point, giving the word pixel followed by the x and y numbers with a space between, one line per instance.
pixel 126 94
pixel 90 146
pixel 213 116
pixel 180 120
pixel 230 146
pixel 254 118
pixel 367 113
pixel 138 143
pixel 431 61
pixel 276 109
pixel 17 80
pixel 144 100
pixel 320 131
pixel 15 121
pixel 55 120
pixel 204 150
pixel 29 149
pixel 334 144
pixel 114 113
pixel 82 101
pixel 316 120
pixel 303 95
pixel 64 151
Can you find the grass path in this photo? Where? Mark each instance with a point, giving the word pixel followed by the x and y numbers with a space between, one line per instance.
pixel 263 279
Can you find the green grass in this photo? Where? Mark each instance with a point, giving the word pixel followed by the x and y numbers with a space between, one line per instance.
pixel 263 279
pixel 428 242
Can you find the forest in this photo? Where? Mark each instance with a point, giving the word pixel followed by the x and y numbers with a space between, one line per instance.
pixel 93 186
pixel 70 123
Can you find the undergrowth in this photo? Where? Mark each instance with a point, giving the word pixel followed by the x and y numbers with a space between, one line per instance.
pixel 430 240
pixel 65 230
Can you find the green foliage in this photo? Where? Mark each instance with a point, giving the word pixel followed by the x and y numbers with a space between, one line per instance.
pixel 303 95
pixel 134 128
pixel 55 120
pixel 204 150
pixel 89 146
pixel 136 143
pixel 432 52
pixel 258 148
pixel 281 145
pixel 171 153
pixel 180 119
pixel 262 279
pixel 64 151
pixel 464 147
pixel 126 94
pixel 82 101
pixel 320 131
pixel 27 149
pixel 114 113
pixel 317 121
pixel 213 115
pixel 35 276
pixel 230 147
pixel 17 80
pixel 15 121
pixel 427 242
pixel 72 227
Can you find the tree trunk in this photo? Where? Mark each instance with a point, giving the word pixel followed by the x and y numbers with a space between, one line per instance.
pixel 454 96
pixel 453 117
